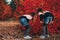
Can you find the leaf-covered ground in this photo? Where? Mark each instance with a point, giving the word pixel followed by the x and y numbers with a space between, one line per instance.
pixel 11 30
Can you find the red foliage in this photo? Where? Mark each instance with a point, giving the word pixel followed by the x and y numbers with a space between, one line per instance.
pixel 31 6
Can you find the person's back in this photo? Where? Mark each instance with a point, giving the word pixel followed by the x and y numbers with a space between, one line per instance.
pixel 48 14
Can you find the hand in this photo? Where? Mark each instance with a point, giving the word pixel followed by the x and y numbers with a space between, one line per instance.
pixel 51 22
pixel 41 22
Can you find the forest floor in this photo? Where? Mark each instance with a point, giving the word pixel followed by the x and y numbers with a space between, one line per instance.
pixel 10 30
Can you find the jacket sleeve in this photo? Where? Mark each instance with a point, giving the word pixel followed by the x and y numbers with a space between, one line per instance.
pixel 41 17
pixel 53 17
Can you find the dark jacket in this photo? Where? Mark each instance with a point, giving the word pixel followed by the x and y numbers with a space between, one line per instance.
pixel 47 14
